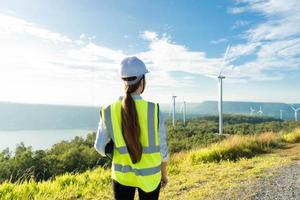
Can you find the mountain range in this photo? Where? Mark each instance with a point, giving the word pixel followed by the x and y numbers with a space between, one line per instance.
pixel 18 116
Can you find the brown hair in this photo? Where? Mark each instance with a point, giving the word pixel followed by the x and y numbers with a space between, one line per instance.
pixel 130 124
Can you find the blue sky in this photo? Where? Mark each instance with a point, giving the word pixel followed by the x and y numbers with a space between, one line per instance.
pixel 68 52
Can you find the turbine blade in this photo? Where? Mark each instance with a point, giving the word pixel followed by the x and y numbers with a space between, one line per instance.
pixel 170 109
pixel 224 59
pixel 293 107
pixel 214 76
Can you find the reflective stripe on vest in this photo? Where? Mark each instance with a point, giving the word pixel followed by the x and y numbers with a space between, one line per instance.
pixel 138 172
pixel 152 148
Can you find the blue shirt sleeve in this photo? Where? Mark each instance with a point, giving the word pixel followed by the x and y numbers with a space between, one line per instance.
pixel 102 138
pixel 163 138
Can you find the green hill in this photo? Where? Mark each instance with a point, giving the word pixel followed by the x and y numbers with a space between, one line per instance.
pixel 79 154
pixel 217 172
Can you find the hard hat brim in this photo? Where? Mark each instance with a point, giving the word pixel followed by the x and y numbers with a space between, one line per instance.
pixel 126 76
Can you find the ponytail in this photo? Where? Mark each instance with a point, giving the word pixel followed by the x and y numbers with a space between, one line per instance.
pixel 130 125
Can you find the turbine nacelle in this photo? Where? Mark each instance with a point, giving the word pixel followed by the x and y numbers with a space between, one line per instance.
pixel 221 76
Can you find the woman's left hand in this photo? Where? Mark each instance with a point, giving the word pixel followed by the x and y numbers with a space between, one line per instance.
pixel 164 181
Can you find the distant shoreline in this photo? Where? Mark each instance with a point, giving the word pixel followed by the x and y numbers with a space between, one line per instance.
pixel 39 139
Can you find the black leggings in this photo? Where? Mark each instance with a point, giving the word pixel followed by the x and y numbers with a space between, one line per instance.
pixel 122 192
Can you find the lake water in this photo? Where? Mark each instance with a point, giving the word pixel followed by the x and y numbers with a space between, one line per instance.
pixel 38 139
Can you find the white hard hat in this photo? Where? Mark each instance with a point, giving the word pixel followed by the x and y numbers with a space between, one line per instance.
pixel 132 66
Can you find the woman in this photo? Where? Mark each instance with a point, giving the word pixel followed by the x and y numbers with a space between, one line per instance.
pixel 136 128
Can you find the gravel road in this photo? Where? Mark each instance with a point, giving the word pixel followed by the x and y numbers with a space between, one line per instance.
pixel 284 185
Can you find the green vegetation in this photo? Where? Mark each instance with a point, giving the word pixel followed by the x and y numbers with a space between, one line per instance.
pixel 76 155
pixel 292 137
pixel 79 155
pixel 90 185
pixel 190 178
pixel 200 132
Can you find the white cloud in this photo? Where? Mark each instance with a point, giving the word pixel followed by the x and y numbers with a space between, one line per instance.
pixel 40 64
pixel 240 23
pixel 82 36
pixel 75 65
pixel 221 40
pixel 149 35
pixel 9 24
pixel 164 55
pixel 273 43
pixel 237 10
pixel 240 50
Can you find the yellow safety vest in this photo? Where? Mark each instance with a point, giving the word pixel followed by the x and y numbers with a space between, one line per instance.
pixel 145 174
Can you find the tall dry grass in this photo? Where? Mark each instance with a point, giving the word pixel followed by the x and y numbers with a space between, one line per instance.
pixel 237 146
pixel 292 137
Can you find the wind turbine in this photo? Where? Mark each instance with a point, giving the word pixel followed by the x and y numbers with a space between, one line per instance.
pixel 252 111
pixel 220 107
pixel 220 90
pixel 172 107
pixel 281 116
pixel 183 110
pixel 296 112
pixel 260 112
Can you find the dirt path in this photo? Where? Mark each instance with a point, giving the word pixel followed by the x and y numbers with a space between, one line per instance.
pixel 284 185
pixel 281 183
pixel 284 182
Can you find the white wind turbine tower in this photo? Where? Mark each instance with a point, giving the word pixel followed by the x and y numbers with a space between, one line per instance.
pixel 296 112
pixel 183 110
pixel 260 112
pixel 220 107
pixel 281 112
pixel 172 108
pixel 252 111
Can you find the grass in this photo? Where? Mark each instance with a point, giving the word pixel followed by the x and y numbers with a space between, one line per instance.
pixel 92 184
pixel 215 172
pixel 292 137
pixel 222 180
pixel 236 147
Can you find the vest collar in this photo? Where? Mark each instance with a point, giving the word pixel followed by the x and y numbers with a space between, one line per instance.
pixel 133 96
